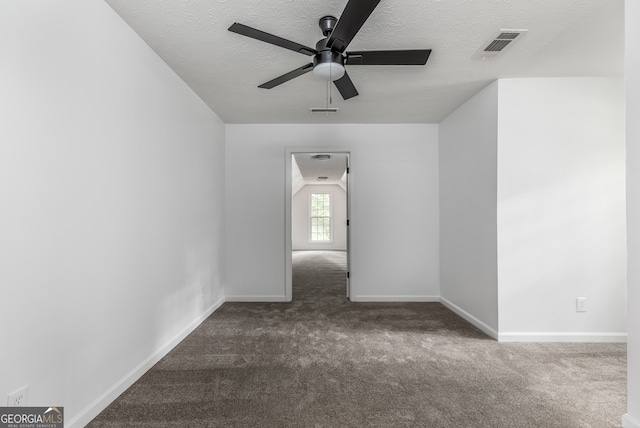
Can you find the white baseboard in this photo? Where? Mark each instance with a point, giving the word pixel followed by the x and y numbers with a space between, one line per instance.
pixel 629 421
pixel 101 403
pixel 470 318
pixel 257 299
pixel 563 337
pixel 394 298
pixel 319 249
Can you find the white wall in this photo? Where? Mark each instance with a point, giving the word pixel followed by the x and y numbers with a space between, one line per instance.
pixel 111 176
pixel 561 208
pixel 301 225
pixel 532 209
pixel 468 165
pixel 395 223
pixel 632 48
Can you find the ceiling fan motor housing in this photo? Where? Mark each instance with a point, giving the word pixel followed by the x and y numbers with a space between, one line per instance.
pixel 327 63
pixel 328 56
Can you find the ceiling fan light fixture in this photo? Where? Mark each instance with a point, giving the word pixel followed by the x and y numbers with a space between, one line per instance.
pixel 328 71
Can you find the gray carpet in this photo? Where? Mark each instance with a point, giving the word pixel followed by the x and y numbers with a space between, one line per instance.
pixel 322 361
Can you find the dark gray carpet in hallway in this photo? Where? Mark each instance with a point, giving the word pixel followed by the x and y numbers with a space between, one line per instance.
pixel 322 361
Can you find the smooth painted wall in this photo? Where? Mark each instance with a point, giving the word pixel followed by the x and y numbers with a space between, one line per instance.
pixel 632 49
pixel 301 223
pixel 468 192
pixel 561 207
pixel 532 209
pixel 395 208
pixel 112 184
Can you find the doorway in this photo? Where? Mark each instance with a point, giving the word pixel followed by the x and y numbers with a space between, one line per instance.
pixel 318 209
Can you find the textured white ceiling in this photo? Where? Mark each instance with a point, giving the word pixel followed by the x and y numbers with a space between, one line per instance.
pixel 311 169
pixel 306 170
pixel 565 38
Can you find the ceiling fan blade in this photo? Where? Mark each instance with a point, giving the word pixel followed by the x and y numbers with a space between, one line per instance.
pixel 398 57
pixel 288 76
pixel 345 87
pixel 270 38
pixel 353 17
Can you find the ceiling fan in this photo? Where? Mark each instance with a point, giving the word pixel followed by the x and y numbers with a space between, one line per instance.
pixel 329 56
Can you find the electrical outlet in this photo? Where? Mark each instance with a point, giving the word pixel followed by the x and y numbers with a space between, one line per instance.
pixel 18 398
pixel 581 304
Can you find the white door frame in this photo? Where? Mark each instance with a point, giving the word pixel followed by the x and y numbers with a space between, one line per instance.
pixel 289 151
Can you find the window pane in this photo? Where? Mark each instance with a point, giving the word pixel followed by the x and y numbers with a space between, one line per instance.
pixel 320 216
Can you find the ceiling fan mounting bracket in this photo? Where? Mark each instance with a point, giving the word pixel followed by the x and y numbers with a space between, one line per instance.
pixel 327 24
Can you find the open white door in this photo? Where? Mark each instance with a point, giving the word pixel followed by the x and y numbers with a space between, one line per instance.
pixel 292 185
pixel 348 171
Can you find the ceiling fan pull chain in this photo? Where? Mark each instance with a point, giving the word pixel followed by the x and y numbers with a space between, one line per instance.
pixel 328 95
pixel 329 82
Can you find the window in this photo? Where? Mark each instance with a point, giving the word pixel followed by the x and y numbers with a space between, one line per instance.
pixel 320 217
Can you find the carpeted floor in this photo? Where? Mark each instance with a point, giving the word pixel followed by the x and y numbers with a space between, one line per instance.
pixel 322 361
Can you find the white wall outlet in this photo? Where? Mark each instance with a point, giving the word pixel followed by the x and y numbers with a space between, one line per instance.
pixel 18 398
pixel 581 304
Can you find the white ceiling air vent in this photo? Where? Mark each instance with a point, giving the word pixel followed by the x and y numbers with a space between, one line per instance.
pixel 498 43
pixel 324 110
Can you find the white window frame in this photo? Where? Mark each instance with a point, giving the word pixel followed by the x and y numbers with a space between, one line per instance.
pixel 321 192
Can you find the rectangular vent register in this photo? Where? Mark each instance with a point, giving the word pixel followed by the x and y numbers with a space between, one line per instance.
pixel 498 43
